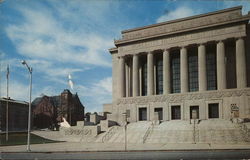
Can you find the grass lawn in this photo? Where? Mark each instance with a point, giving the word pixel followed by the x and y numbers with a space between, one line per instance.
pixel 21 139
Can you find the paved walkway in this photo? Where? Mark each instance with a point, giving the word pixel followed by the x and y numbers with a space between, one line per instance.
pixel 76 147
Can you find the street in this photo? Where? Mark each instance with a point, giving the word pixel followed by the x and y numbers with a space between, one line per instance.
pixel 216 154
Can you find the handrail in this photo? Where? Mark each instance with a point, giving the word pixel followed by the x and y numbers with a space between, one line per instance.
pixel 147 133
pixel 110 133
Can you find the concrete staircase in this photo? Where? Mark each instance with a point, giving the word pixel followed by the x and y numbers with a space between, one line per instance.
pixel 206 131
pixel 171 132
pixel 220 132
pixel 135 133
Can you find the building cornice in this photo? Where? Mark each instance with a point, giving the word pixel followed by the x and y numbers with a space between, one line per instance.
pixel 203 21
pixel 113 50
pixel 183 19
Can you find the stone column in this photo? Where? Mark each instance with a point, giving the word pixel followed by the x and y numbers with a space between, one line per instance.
pixel 140 80
pixel 127 79
pixel 221 66
pixel 135 75
pixel 166 72
pixel 122 77
pixel 202 67
pixel 241 63
pixel 150 67
pixel 184 70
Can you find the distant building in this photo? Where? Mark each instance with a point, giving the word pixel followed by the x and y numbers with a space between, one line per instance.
pixel 18 115
pixel 48 111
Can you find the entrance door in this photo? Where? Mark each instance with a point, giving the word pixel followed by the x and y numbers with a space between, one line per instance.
pixel 213 110
pixel 176 112
pixel 194 110
pixel 142 114
pixel 159 111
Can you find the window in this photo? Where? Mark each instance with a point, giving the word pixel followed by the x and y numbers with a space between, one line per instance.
pixel 213 110
pixel 230 56
pixel 193 70
pixel 142 114
pixel 211 68
pixel 144 76
pixel 175 72
pixel 159 111
pixel 194 110
pixel 159 75
pixel 176 112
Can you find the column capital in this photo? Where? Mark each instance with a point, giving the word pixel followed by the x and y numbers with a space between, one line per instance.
pixel 240 37
pixel 220 41
pixel 135 55
pixel 166 50
pixel 201 44
pixel 150 52
pixel 120 57
pixel 128 55
pixel 141 53
pixel 183 47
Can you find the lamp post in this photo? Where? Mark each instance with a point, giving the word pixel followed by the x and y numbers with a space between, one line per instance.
pixel 29 118
pixel 125 116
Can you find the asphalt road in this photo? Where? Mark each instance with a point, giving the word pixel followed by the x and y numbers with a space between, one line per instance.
pixel 218 154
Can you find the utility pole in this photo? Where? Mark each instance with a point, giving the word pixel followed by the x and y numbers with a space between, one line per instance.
pixel 7 105
pixel 0 83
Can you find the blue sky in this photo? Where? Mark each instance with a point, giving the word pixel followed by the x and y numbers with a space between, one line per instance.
pixel 61 37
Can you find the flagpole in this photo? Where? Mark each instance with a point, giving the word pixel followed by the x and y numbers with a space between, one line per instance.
pixel 7 106
pixel 71 88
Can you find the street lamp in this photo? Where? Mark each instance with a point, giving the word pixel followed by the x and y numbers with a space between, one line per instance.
pixel 29 118
pixel 125 116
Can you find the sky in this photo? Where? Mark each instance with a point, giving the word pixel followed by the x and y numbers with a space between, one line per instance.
pixel 62 37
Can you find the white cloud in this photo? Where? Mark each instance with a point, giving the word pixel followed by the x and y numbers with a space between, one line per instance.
pixel 96 95
pixel 20 91
pixel 48 90
pixel 42 35
pixel 179 12
pixel 61 38
pixel 54 72
pixel 17 90
pixel 105 84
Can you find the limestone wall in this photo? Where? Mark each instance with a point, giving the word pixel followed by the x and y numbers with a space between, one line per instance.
pixel 225 99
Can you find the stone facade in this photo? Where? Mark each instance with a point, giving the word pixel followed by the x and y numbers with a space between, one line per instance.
pixel 198 64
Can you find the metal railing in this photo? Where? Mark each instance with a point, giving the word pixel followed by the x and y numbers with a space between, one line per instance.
pixel 149 130
pixel 109 134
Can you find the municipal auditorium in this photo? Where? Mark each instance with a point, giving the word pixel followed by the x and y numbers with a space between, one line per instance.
pixel 191 68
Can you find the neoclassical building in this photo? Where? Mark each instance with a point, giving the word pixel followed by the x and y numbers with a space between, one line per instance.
pixel 194 67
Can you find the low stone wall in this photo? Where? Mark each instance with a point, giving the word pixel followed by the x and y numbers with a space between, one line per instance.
pixel 79 134
pixel 105 124
pixel 84 131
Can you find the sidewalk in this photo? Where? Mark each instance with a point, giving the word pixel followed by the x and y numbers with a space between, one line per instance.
pixel 79 147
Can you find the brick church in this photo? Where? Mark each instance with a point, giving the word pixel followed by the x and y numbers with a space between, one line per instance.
pixel 48 111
